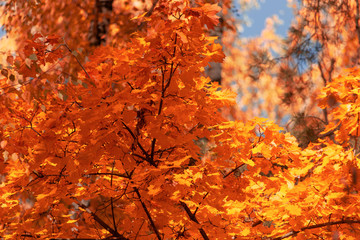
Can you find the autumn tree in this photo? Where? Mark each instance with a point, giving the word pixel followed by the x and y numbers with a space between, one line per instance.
pixel 133 95
pixel 133 144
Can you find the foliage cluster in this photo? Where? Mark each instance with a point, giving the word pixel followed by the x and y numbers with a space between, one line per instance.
pixel 136 142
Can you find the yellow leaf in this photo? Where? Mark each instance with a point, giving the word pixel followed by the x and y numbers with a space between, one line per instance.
pixel 258 148
pixel 72 221
pixel 293 209
pixel 197 176
pixel 140 16
pixel 245 232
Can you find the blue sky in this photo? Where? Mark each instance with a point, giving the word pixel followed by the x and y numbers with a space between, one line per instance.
pixel 2 32
pixel 268 8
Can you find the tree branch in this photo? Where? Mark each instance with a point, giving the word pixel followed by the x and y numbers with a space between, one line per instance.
pixel 147 214
pixel 293 233
pixel 108 174
pixel 152 150
pixel 194 219
pixel 103 224
pixel 111 199
pixel 200 203
pixel 148 158
pixel 136 140
pixel 148 14
pixel 234 170
pixel 78 61
pixel 330 132
pixel 76 239
pixel 164 86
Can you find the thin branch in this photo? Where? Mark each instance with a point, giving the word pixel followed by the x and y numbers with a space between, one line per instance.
pixel 78 61
pixel 103 224
pixel 111 199
pixel 31 127
pixel 189 213
pixel 194 219
pixel 164 86
pixel 152 150
pixel 113 214
pixel 232 171
pixel 132 88
pixel 30 122
pixel 326 81
pixel 77 239
pixel 322 73
pixel 136 140
pixel 293 233
pixel 200 203
pixel 332 66
pixel 148 14
pixel 148 158
pixel 137 234
pixel 139 156
pixel 148 214
pixel 108 174
pixel 61 173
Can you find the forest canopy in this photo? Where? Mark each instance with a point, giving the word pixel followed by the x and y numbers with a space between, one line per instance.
pixel 156 119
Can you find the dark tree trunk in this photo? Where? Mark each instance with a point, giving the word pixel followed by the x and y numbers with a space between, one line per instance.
pixel 100 24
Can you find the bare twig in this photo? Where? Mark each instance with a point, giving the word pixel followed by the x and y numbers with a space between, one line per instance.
pixel 78 61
